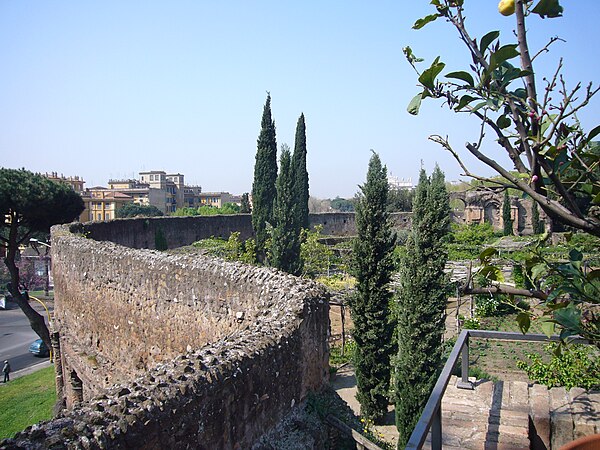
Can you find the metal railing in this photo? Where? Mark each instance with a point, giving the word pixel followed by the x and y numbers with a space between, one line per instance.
pixel 431 419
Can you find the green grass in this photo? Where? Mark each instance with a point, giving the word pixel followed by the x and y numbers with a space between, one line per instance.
pixel 26 401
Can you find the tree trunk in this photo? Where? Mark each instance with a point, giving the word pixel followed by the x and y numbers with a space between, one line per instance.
pixel 36 320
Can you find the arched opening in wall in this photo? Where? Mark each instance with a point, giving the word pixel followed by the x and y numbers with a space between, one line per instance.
pixel 77 387
pixel 491 214
pixel 457 204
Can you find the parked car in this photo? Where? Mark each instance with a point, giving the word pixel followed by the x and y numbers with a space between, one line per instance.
pixel 38 348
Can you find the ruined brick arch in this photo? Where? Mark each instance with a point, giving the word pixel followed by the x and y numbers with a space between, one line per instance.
pixel 175 351
pixel 485 206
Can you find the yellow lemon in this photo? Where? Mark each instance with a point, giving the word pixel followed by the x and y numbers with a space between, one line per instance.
pixel 506 7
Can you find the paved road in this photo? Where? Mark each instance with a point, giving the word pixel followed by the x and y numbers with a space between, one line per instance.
pixel 15 337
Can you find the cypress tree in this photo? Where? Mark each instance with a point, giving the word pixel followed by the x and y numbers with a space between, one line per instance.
pixel 506 219
pixel 245 204
pixel 421 302
pixel 285 250
pixel 300 174
pixel 370 307
pixel 265 175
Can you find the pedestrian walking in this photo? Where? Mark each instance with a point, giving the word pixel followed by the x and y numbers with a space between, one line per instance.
pixel 6 371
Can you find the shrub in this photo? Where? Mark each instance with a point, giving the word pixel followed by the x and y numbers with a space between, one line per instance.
pixel 585 242
pixel 232 249
pixel 472 234
pixel 471 324
pixel 335 353
pixel 498 305
pixel 573 366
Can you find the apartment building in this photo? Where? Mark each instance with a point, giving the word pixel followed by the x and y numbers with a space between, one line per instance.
pixel 165 191
pixel 76 183
pixel 102 203
pixel 218 199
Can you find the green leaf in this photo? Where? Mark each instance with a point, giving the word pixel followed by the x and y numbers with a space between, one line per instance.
pixel 547 122
pixel 504 53
pixel 569 318
pixel 593 275
pixel 575 255
pixel 464 76
pixel 524 73
pixel 485 255
pixel 487 40
pixel 524 322
pixel 520 93
pixel 596 200
pixel 503 122
pixel 508 73
pixel 548 8
pixel 595 132
pixel 428 77
pixel 478 106
pixel 492 273
pixel 420 23
pixel 538 270
pixel 414 105
pixel 547 326
pixel 464 101
pixel 410 56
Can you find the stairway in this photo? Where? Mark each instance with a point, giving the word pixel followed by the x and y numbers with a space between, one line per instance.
pixel 514 415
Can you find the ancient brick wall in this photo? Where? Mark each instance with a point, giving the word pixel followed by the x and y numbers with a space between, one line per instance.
pixel 344 224
pixel 200 353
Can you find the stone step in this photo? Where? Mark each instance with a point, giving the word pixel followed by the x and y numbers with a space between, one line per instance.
pixel 573 414
pixel 493 415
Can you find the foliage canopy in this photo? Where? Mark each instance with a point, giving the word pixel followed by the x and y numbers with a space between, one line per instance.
pixel 31 203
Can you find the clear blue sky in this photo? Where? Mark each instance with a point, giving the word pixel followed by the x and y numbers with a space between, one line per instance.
pixel 106 89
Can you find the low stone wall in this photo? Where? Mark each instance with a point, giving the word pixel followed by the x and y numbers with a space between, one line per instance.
pixel 176 351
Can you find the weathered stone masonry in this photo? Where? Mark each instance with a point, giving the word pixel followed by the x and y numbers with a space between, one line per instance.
pixel 176 351
pixel 180 231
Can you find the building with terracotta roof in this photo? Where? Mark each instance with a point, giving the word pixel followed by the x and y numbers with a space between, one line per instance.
pixel 102 203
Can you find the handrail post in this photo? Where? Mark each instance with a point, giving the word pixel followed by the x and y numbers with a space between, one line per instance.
pixel 464 382
pixel 436 429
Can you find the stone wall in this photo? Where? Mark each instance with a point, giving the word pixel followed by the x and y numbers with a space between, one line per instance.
pixel 181 231
pixel 176 351
pixel 176 231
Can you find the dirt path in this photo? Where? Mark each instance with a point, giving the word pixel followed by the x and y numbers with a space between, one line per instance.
pixel 344 383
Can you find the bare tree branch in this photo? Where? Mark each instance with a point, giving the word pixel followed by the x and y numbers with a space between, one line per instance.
pixel 546 47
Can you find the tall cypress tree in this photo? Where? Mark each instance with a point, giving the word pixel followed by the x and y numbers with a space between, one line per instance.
pixel 506 219
pixel 300 174
pixel 285 250
pixel 265 176
pixel 421 302
pixel 245 204
pixel 370 307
